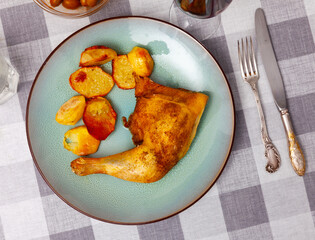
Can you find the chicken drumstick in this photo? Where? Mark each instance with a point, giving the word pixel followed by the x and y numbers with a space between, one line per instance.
pixel 163 125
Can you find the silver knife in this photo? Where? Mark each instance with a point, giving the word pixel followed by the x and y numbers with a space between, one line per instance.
pixel 275 80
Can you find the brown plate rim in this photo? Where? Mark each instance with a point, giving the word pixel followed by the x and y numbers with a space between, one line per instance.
pixel 116 222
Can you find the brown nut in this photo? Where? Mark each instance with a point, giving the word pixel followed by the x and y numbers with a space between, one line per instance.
pixel 88 3
pixel 55 3
pixel 71 4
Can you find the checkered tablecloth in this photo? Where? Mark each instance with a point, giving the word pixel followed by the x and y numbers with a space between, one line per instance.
pixel 245 203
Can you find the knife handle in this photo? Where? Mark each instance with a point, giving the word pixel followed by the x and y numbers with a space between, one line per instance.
pixel 295 152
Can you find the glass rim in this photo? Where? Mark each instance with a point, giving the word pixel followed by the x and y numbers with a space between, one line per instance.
pixel 54 11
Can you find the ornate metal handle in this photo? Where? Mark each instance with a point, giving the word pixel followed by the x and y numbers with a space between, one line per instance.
pixel 295 152
pixel 271 152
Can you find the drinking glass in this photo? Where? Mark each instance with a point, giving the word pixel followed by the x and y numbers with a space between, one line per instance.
pixel 9 79
pixel 201 18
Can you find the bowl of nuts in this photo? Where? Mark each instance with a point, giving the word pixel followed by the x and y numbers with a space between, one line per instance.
pixel 71 8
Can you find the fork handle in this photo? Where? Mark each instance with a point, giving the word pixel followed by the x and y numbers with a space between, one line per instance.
pixel 295 152
pixel 264 132
pixel 271 152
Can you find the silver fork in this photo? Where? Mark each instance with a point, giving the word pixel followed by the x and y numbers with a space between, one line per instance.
pixel 250 75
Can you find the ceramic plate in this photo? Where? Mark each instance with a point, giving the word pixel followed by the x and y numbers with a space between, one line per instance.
pixel 180 62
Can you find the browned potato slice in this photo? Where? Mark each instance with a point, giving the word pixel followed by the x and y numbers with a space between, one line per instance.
pixel 71 4
pixel 91 82
pixel 55 3
pixel 71 111
pixel 88 3
pixel 123 73
pixel 99 118
pixel 141 61
pixel 80 142
pixel 96 55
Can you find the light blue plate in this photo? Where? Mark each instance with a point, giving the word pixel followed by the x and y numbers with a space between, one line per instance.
pixel 180 61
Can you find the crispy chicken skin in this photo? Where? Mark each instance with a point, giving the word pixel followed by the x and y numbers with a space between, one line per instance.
pixel 163 125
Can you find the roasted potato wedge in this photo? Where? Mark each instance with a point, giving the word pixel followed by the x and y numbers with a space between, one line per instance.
pixel 55 3
pixel 123 72
pixel 91 82
pixel 71 111
pixel 96 55
pixel 80 142
pixel 99 118
pixel 88 3
pixel 141 61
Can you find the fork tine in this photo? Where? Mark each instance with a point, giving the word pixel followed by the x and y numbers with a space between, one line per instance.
pixel 249 53
pixel 253 57
pixel 240 59
pixel 244 60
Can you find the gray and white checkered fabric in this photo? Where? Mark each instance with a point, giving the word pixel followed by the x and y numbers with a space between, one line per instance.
pixel 245 203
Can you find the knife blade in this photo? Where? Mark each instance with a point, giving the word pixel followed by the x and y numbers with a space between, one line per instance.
pixel 277 88
pixel 269 59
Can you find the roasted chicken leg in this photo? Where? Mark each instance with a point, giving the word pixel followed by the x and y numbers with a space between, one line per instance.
pixel 163 125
